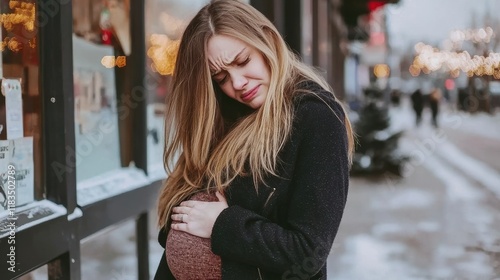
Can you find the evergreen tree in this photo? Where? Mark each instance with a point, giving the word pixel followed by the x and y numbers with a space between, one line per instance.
pixel 376 149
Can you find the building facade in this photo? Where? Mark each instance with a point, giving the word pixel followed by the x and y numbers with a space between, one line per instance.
pixel 81 114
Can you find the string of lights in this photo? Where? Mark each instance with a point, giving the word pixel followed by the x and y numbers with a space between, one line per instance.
pixel 23 14
pixel 430 59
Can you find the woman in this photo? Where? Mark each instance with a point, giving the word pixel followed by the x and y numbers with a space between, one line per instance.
pixel 258 155
pixel 434 99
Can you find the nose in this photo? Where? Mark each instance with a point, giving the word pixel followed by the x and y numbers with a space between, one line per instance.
pixel 239 81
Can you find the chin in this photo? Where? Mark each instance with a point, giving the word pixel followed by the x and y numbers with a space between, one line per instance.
pixel 255 105
pixel 257 102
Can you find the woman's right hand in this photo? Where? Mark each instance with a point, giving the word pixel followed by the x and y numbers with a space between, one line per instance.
pixel 198 217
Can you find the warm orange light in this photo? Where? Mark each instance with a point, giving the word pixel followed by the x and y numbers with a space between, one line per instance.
pixel 381 71
pixel 430 59
pixel 121 61
pixel 414 71
pixel 24 13
pixel 108 61
pixel 163 52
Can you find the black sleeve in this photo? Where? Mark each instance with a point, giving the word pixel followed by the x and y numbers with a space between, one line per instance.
pixel 163 271
pixel 319 191
pixel 162 236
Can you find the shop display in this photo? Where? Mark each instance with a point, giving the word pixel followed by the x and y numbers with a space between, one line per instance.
pixel 97 143
pixel 103 22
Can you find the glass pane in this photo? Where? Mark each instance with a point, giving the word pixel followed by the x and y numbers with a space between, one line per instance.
pixel 20 106
pixel 165 23
pixel 101 43
pixel 96 119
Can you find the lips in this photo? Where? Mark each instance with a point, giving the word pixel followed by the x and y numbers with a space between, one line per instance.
pixel 247 96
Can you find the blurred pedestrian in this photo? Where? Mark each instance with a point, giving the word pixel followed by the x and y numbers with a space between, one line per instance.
pixel 462 99
pixel 257 154
pixel 395 97
pixel 417 100
pixel 434 100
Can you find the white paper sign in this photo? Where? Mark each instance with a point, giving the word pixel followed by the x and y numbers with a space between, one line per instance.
pixel 16 172
pixel 11 88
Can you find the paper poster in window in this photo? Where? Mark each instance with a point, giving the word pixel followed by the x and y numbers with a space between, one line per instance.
pixel 16 173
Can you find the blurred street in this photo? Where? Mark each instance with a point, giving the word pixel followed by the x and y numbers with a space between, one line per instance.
pixel 441 221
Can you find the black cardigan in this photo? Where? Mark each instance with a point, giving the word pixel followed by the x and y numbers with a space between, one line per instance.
pixel 286 231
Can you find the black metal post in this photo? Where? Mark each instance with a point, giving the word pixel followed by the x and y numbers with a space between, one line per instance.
pixel 315 33
pixel 56 81
pixel 293 25
pixel 142 246
pixel 55 23
pixel 266 7
pixel 139 124
pixel 138 90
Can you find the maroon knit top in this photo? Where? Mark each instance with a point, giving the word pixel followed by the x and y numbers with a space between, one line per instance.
pixel 190 257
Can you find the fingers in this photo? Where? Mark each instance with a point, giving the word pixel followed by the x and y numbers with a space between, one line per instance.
pixel 189 203
pixel 180 226
pixel 179 218
pixel 181 210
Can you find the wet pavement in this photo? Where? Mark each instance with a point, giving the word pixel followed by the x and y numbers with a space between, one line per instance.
pixel 414 229
pixel 485 149
pixel 440 221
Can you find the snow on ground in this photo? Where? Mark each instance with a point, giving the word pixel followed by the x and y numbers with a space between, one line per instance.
pixel 373 259
pixel 458 238
pixel 486 125
pixel 427 141
pixel 406 198
pixel 458 187
pixel 481 124
pixel 476 169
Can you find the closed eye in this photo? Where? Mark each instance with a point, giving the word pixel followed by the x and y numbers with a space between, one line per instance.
pixel 223 80
pixel 220 78
pixel 244 62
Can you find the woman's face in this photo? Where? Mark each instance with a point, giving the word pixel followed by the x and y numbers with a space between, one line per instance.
pixel 239 70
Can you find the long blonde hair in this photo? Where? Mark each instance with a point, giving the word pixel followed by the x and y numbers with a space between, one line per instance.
pixel 201 151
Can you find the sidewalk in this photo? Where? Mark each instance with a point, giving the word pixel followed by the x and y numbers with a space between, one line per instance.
pixel 390 229
pixel 438 222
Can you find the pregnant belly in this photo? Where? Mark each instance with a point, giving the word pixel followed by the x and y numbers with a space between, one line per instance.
pixel 189 256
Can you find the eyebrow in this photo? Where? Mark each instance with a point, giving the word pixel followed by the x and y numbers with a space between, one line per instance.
pixel 236 57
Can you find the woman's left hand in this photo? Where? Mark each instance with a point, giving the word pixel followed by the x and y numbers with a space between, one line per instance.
pixel 198 217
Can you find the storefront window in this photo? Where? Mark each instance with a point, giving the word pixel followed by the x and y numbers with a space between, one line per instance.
pixel 20 105
pixel 165 23
pixel 101 43
pixel 96 119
